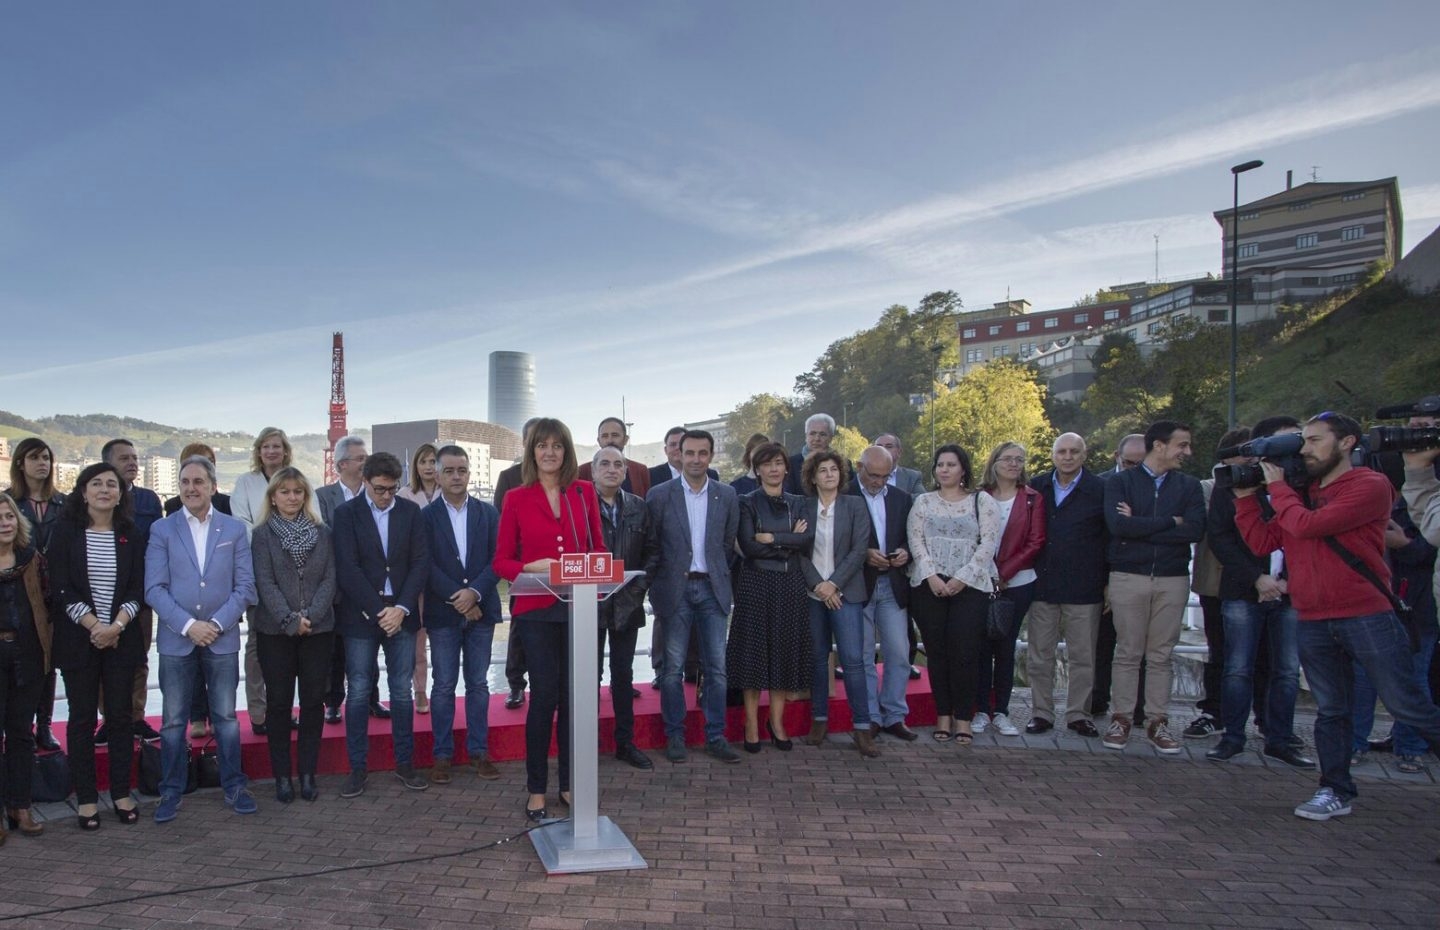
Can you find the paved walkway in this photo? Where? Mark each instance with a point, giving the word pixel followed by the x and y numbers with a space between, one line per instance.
pixel 1004 833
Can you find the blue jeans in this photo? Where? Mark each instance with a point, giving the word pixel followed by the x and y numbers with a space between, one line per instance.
pixel 1245 623
pixel 699 614
pixel 360 656
pixel 178 677
pixel 889 622
pixel 847 626
pixel 447 646
pixel 1408 741
pixel 1329 650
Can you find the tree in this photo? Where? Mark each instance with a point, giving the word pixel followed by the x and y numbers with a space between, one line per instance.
pixel 998 402
pixel 849 442
pixel 762 413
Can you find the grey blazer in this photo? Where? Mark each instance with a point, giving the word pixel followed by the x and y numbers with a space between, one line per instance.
pixel 852 539
pixel 329 496
pixel 909 481
pixel 285 590
pixel 670 537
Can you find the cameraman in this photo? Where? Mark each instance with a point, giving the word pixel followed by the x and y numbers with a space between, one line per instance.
pixel 1344 618
pixel 1256 607
pixel 1422 481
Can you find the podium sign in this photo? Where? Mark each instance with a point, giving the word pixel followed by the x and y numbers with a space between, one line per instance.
pixel 595 568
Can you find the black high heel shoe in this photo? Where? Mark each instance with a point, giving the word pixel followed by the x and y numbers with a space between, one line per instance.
pixel 534 814
pixel 88 822
pixel 753 747
pixel 784 745
pixel 127 817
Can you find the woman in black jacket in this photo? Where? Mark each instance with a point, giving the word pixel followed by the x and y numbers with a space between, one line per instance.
pixel 24 648
pixel 769 645
pixel 97 568
pixel 294 622
pixel 32 485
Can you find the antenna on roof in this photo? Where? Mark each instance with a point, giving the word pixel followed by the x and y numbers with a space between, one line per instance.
pixel 1157 258
pixel 1314 172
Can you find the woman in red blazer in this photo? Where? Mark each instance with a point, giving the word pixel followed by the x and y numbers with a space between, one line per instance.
pixel 550 513
pixel 1022 517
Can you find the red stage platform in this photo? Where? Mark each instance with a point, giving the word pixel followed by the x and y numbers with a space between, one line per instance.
pixel 507 730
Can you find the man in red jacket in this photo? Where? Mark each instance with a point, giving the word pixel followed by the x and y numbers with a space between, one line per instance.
pixel 1344 618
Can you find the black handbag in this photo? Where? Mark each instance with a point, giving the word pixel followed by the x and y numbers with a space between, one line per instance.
pixel 207 765
pixel 150 770
pixel 1000 620
pixel 50 779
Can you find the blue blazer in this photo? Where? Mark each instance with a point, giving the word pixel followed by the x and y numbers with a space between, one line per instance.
pixel 362 565
pixel 450 571
pixel 670 535
pixel 178 591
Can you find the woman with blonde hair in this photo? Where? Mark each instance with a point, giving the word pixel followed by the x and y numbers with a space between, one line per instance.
pixel 423 488
pixel 24 656
pixel 294 622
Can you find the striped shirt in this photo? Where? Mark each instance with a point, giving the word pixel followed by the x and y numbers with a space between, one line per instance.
pixel 101 564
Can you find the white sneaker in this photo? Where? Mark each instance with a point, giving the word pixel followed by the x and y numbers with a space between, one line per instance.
pixel 1002 723
pixel 980 722
pixel 1323 806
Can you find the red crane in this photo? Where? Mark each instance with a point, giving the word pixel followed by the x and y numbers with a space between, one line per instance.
pixel 338 429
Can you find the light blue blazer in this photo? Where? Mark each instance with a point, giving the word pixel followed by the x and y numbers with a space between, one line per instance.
pixel 177 590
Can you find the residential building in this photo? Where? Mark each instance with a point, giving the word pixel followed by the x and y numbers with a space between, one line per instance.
pixel 161 474
pixel 492 447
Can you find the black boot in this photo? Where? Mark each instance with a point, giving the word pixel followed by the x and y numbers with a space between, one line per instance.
pixel 45 740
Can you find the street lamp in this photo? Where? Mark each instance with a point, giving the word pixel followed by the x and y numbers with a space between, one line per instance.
pixel 845 414
pixel 1236 171
pixel 937 349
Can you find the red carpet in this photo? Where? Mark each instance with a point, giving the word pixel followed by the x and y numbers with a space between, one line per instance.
pixel 507 730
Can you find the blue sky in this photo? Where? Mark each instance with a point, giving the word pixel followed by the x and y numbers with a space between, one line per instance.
pixel 678 203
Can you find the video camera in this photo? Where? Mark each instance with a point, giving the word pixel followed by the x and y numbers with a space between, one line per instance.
pixel 1282 449
pixel 1406 438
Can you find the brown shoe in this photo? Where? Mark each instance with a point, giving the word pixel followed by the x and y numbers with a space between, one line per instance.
pixel 1118 733
pixel 440 772
pixel 874 729
pixel 818 730
pixel 21 819
pixel 1161 738
pixel 484 768
pixel 865 742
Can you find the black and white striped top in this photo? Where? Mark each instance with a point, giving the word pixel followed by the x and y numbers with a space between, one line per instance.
pixel 101 561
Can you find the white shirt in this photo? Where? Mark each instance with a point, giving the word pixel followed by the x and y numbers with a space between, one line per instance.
pixel 876 505
pixel 1024 575
pixel 349 494
pixel 674 472
pixel 200 533
pixel 458 526
pixel 822 554
pixel 382 523
pixel 697 507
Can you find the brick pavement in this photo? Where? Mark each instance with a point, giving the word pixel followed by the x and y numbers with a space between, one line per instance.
pixel 931 835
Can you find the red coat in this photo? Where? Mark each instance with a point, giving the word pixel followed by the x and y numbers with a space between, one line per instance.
pixel 1024 534
pixel 530 531
pixel 1353 508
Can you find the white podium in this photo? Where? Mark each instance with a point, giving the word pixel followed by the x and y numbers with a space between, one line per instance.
pixel 586 842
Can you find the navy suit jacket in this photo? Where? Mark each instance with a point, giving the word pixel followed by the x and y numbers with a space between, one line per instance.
pixel 451 571
pixel 362 565
pixel 670 534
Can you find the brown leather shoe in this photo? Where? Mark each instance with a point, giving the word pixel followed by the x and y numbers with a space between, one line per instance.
pixel 440 772
pixel 21 819
pixel 874 729
pixel 818 731
pixel 484 768
pixel 865 742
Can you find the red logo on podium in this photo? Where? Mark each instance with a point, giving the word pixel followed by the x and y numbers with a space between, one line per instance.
pixel 587 568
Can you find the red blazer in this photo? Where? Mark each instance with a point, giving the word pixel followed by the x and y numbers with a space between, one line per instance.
pixel 529 531
pixel 1024 534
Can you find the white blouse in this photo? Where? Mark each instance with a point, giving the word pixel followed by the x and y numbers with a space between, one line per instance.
pixel 946 540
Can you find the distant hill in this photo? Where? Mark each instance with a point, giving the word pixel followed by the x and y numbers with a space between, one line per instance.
pixel 79 438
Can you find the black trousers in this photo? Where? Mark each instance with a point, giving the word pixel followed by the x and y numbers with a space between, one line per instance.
pixel 548 651
pixel 515 667
pixel 953 628
pixel 622 680
pixel 45 704
pixel 284 661
pixel 109 672
pixel 21 671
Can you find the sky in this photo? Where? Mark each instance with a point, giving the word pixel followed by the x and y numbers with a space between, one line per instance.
pixel 672 205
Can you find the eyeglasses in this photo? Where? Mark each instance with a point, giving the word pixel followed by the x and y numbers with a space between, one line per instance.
pixel 381 490
pixel 1011 460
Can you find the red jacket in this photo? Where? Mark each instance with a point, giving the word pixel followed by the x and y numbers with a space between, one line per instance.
pixel 530 531
pixel 1024 534
pixel 1353 508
